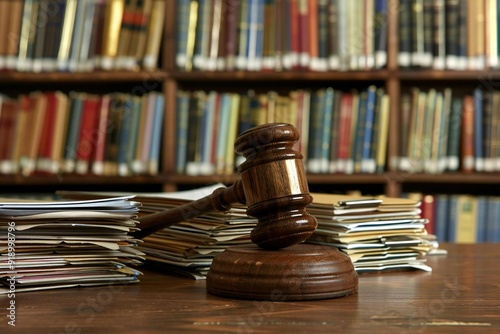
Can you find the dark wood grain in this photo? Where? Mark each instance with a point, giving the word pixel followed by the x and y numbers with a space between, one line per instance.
pixel 461 295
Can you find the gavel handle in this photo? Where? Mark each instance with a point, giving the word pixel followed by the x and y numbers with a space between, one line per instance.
pixel 221 199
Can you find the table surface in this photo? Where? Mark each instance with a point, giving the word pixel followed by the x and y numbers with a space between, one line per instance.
pixel 461 294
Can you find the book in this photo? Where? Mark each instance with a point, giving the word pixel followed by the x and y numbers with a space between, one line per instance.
pixel 99 157
pixel 86 142
pixel 111 33
pixel 73 131
pixel 63 54
pixel 156 134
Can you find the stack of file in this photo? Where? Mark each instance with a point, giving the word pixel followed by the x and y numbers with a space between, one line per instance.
pixel 378 233
pixel 188 247
pixel 56 244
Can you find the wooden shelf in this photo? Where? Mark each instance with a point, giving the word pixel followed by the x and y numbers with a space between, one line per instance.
pixel 455 178
pixel 71 179
pixel 426 75
pixel 198 76
pixel 84 77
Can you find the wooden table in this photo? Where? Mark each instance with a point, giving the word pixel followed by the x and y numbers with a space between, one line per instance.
pixel 461 295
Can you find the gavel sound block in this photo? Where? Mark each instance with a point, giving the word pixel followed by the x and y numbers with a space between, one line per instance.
pixel 278 266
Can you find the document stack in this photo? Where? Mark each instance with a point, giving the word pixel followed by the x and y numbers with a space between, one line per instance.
pixel 58 244
pixel 378 233
pixel 187 248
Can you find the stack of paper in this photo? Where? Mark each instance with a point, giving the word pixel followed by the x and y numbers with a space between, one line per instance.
pixel 188 247
pixel 55 244
pixel 378 233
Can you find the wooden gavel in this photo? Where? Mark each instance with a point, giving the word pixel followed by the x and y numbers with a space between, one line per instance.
pixel 272 185
pixel 278 266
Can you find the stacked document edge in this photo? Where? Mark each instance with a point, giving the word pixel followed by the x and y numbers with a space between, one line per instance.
pixel 58 244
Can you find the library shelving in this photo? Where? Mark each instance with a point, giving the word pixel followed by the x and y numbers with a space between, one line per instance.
pixel 395 79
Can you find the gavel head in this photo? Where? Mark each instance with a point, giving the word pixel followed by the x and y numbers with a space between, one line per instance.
pixel 275 186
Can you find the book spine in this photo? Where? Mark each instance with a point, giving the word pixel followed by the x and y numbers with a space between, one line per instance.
pixel 326 129
pixel 452 10
pixel 13 34
pixel 468 134
pixel 344 132
pixel 43 160
pixel 454 130
pixel 478 130
pixel 155 147
pixel 439 35
pixel 383 133
pixel 380 32
pixel 367 163
pixel 86 140
pixel 441 218
pixel 99 157
pixel 182 118
pixel 111 33
pixel 315 132
pixel 406 33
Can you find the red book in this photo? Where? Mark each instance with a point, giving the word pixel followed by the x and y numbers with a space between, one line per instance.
pixel 344 131
pixel 87 136
pixel 313 32
pixel 44 158
pixel 303 36
pixel 428 210
pixel 101 125
pixel 8 116
pixel 230 37
pixel 468 134
pixel 293 57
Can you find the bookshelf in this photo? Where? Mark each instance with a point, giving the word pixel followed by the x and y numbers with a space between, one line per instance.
pixel 169 79
pixel 393 77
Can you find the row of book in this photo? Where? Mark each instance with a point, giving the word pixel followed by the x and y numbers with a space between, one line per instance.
pixel 443 130
pixel 67 243
pixel 80 36
pixel 378 233
pixel 275 35
pixel 462 218
pixel 57 133
pixel 344 132
pixel 449 34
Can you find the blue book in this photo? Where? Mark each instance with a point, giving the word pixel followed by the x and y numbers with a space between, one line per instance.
pixel 381 33
pixel 134 130
pixel 202 39
pixel 155 148
pixel 207 130
pixel 74 122
pixel 368 164
pixel 255 35
pixel 452 218
pixel 478 130
pixel 357 147
pixel 442 218
pixel 482 215
pixel 315 131
pixel 491 220
pixel 455 125
pixel 493 224
pixel 222 130
pixel 326 132
pixel 124 134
